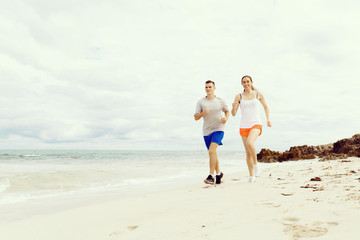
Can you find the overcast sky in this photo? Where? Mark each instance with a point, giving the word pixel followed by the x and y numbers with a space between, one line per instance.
pixel 126 74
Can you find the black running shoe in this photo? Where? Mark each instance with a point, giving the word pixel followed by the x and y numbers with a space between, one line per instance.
pixel 209 180
pixel 219 177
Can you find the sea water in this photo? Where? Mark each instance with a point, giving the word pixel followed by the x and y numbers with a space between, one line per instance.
pixel 39 177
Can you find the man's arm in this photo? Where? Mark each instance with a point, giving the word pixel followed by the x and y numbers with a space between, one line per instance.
pixel 200 115
pixel 227 114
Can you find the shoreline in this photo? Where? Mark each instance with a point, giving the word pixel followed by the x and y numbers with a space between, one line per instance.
pixel 282 204
pixel 51 205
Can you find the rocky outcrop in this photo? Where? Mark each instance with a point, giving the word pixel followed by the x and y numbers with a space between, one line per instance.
pixel 349 147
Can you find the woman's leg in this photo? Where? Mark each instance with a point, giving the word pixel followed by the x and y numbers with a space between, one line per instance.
pixel 249 161
pixel 249 143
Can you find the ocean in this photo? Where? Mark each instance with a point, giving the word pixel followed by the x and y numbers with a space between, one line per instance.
pixel 33 181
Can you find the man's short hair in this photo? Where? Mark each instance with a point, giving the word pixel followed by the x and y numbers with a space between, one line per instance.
pixel 209 81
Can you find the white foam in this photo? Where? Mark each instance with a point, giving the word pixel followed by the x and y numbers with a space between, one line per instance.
pixel 66 174
pixel 30 155
pixel 4 185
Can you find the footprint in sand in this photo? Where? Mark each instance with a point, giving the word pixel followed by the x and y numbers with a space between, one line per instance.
pixel 116 235
pixel 333 223
pixel 268 204
pixel 290 220
pixel 353 197
pixel 297 231
pixel 132 228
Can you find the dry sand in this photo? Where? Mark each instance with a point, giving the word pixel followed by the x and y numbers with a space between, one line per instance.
pixel 283 203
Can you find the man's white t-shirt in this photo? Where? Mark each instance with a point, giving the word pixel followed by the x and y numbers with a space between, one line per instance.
pixel 212 120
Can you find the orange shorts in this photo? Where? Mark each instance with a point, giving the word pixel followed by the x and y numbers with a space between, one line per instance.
pixel 244 132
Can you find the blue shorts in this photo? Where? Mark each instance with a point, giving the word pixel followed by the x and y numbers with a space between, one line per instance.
pixel 215 137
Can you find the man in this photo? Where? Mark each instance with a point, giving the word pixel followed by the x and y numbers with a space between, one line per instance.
pixel 209 108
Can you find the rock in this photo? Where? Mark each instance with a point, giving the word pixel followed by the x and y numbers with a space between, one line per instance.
pixel 316 179
pixel 349 147
pixel 333 156
pixel 294 153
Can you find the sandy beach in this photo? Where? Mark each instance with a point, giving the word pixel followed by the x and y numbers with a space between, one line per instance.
pixel 283 203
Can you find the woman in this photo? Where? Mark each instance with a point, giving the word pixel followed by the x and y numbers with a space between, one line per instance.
pixel 250 124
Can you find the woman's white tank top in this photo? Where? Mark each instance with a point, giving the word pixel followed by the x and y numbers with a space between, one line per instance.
pixel 250 112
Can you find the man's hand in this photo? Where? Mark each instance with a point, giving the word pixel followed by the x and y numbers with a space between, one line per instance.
pixel 206 111
pixel 200 115
pixel 223 120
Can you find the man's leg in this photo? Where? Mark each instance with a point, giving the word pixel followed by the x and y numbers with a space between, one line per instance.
pixel 213 160
pixel 217 166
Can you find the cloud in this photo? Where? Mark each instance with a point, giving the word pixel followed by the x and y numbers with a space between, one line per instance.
pixel 127 74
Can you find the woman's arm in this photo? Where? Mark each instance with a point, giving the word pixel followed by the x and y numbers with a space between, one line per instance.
pixel 266 108
pixel 235 105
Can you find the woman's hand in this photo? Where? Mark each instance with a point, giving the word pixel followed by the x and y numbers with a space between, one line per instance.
pixel 269 124
pixel 235 105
